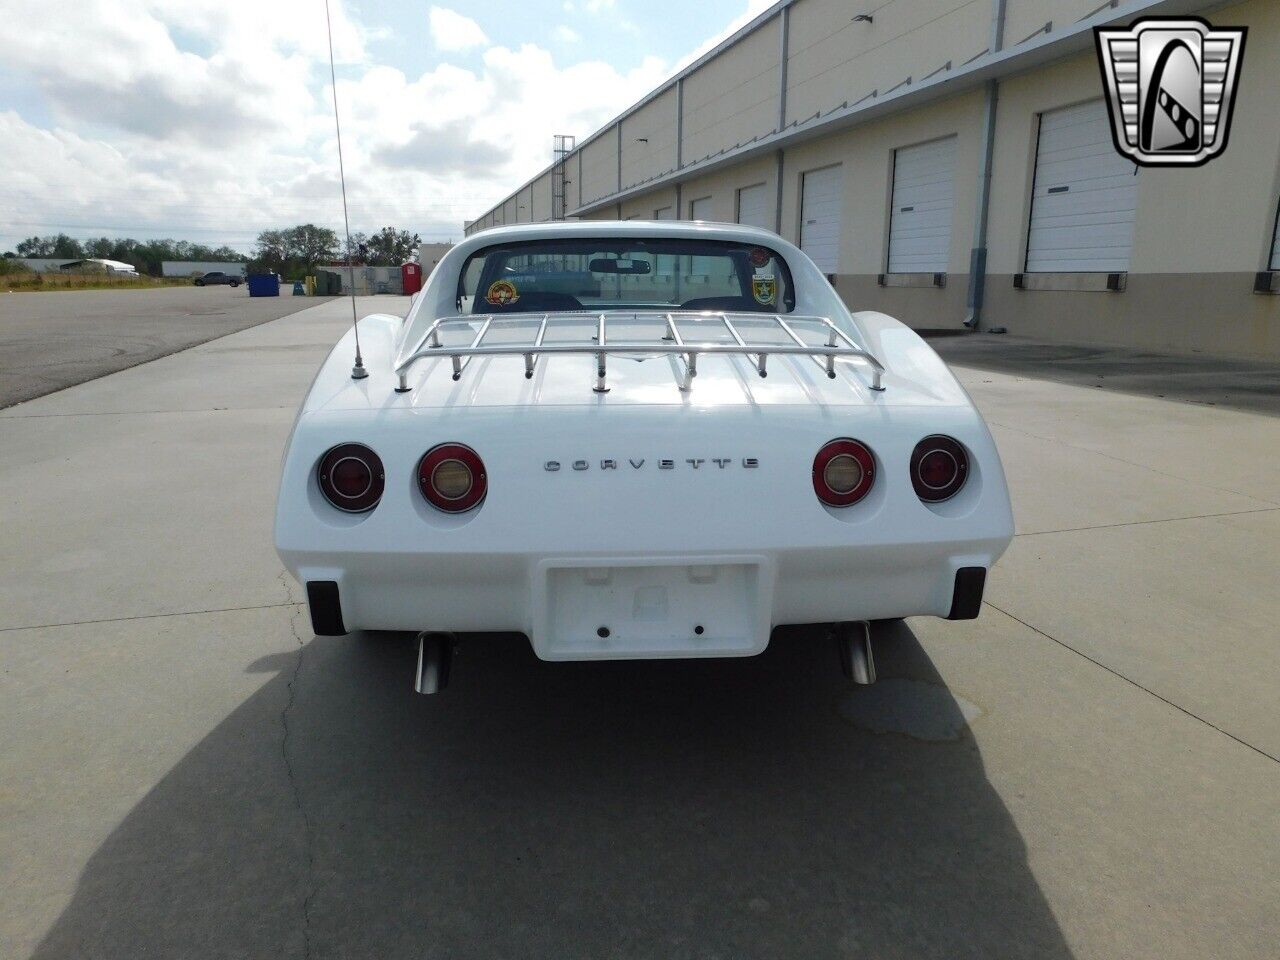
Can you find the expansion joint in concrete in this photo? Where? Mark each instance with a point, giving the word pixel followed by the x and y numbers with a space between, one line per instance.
pixel 1142 523
pixel 1134 683
pixel 146 616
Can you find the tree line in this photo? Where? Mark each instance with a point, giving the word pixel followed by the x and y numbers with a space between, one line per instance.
pixel 295 252
pixel 292 253
pixel 145 255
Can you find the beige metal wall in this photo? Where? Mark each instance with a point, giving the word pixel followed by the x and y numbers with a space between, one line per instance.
pixel 599 175
pixel 833 60
pixel 734 97
pixel 541 206
pixel 649 140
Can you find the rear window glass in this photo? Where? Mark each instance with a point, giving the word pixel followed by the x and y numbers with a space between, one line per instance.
pixel 538 276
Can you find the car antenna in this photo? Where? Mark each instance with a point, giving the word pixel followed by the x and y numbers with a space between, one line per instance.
pixel 358 372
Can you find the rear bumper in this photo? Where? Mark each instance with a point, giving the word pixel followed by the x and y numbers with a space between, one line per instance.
pixel 650 606
pixel 666 517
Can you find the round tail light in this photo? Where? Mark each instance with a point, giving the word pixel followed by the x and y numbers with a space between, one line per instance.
pixel 843 472
pixel 452 478
pixel 939 468
pixel 351 477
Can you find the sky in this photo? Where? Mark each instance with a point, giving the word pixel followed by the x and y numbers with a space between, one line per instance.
pixel 213 121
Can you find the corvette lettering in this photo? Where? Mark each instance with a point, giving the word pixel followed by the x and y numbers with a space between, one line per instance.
pixel 747 463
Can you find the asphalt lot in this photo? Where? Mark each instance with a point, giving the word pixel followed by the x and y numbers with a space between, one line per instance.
pixel 1088 770
pixel 1213 381
pixel 58 339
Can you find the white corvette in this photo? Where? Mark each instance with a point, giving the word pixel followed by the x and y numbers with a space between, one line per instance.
pixel 639 439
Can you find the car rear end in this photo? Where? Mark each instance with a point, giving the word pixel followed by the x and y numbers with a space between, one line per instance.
pixel 632 529
pixel 590 488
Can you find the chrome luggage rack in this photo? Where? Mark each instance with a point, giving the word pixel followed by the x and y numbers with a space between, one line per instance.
pixel 837 343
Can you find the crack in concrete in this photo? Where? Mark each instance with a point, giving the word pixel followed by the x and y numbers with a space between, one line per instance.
pixel 308 830
pixel 1139 523
pixel 1129 680
pixel 283 577
pixel 147 616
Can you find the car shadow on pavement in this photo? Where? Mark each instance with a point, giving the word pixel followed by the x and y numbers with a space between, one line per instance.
pixel 534 810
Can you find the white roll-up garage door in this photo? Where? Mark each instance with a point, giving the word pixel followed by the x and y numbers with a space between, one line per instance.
pixel 820 217
pixel 664 213
pixel 700 209
pixel 924 191
pixel 754 208
pixel 1086 195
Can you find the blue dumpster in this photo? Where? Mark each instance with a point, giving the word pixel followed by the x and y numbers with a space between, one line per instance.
pixel 264 285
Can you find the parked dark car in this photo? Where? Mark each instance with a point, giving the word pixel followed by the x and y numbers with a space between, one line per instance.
pixel 217 276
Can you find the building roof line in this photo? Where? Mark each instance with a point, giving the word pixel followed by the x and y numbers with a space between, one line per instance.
pixel 1034 52
pixel 1030 53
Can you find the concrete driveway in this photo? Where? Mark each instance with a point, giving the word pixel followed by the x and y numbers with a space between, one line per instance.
pixel 53 340
pixel 1088 770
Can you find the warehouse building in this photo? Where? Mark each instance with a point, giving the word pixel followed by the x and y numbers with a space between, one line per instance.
pixel 430 254
pixel 952 160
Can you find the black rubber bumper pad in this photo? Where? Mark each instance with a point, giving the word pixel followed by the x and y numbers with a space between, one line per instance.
pixel 326 608
pixel 966 599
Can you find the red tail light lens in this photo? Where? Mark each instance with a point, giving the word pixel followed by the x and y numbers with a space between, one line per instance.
pixel 351 477
pixel 843 472
pixel 452 478
pixel 939 468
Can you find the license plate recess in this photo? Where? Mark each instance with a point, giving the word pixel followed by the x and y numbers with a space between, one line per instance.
pixel 605 609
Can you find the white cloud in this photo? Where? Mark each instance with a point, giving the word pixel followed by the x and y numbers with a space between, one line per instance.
pixel 179 121
pixel 452 31
pixel 128 72
pixel 566 34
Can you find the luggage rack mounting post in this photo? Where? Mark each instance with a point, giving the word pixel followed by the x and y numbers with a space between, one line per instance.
pixel 601 386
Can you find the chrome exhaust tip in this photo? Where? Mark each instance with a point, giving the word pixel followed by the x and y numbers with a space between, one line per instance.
pixel 435 656
pixel 853 640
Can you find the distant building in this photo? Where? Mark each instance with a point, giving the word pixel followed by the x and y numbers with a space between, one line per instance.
pixel 97 263
pixel 193 268
pixel 367 280
pixel 45 264
pixel 429 254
